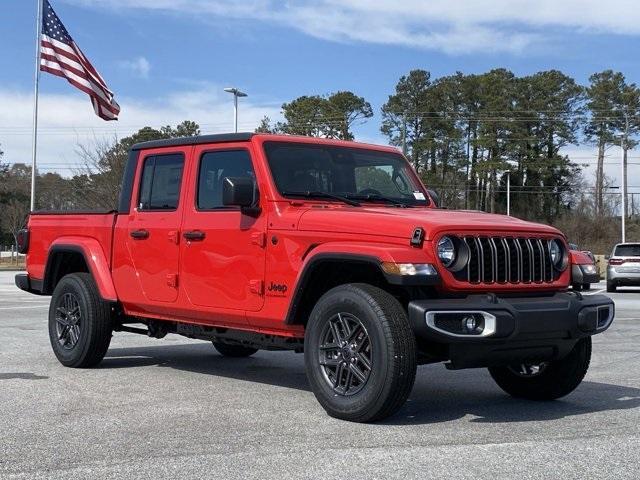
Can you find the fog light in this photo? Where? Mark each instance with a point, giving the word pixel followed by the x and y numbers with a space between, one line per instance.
pixel 469 324
pixel 462 323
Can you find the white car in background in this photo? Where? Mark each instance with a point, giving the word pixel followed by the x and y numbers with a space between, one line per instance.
pixel 624 266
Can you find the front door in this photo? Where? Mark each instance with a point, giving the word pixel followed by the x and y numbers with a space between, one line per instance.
pixel 223 249
pixel 153 229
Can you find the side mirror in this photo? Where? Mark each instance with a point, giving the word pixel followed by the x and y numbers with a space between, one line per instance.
pixel 240 192
pixel 435 198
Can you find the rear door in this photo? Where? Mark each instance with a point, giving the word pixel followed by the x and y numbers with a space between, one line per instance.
pixel 153 229
pixel 223 249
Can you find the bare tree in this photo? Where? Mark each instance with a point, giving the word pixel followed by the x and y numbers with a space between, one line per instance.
pixel 14 216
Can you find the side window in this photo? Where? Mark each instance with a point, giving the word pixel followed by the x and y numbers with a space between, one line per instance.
pixel 160 184
pixel 214 167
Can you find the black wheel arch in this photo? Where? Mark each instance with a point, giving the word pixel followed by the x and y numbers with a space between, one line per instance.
pixel 316 272
pixel 328 270
pixel 63 260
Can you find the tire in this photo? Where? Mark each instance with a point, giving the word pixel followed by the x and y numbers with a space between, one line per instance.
pixel 611 287
pixel 586 286
pixel 235 351
pixel 80 326
pixel 557 379
pixel 576 286
pixel 382 349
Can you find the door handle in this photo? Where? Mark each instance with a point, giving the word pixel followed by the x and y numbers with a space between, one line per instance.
pixel 140 234
pixel 194 235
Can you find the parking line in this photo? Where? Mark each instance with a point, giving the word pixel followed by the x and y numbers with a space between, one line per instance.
pixel 23 308
pixel 594 293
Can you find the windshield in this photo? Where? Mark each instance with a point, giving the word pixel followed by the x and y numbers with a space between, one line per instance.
pixel 354 173
pixel 632 250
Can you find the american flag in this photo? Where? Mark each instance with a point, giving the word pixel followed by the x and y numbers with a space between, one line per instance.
pixel 59 55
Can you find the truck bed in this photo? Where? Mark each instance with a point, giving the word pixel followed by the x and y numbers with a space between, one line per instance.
pixel 47 228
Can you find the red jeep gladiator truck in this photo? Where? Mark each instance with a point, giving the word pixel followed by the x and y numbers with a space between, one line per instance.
pixel 330 248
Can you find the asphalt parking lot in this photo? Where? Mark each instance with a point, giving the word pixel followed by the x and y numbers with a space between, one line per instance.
pixel 174 408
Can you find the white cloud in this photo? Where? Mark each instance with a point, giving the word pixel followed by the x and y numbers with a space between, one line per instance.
pixel 462 26
pixel 139 66
pixel 67 120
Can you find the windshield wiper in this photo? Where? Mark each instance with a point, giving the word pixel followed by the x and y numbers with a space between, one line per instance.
pixel 374 197
pixel 313 194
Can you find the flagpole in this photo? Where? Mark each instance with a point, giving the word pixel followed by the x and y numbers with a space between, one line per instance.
pixel 35 105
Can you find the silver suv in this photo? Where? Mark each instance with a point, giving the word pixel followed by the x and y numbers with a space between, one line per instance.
pixel 624 266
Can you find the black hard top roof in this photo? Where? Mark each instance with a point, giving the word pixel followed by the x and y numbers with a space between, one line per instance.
pixel 176 142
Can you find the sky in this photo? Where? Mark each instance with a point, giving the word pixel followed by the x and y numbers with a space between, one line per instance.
pixel 169 60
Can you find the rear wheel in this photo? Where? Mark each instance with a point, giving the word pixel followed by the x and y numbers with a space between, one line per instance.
pixel 236 351
pixel 586 286
pixel 360 353
pixel 577 286
pixel 546 381
pixel 611 286
pixel 79 322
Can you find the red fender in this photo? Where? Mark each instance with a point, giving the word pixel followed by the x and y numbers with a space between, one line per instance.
pixel 96 261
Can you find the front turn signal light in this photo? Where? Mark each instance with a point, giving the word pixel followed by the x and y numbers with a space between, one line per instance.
pixel 409 269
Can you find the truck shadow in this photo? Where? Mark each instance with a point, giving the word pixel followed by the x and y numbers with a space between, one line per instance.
pixel 438 395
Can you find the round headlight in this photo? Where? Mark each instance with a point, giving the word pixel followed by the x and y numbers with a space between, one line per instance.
pixel 446 251
pixel 557 254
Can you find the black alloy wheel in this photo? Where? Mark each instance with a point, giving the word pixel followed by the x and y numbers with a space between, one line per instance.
pixel 345 354
pixel 68 317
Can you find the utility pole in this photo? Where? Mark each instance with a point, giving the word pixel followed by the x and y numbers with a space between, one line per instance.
pixel 509 193
pixel 236 93
pixel 468 162
pixel 404 134
pixel 623 168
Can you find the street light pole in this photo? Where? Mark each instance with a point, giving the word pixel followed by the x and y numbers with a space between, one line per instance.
pixel 236 93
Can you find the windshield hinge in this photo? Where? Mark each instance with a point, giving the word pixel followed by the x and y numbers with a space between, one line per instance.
pixel 417 238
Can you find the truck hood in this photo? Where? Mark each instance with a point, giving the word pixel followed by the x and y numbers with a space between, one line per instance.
pixel 400 222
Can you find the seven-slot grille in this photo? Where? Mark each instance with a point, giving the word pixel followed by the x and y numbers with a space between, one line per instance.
pixel 507 260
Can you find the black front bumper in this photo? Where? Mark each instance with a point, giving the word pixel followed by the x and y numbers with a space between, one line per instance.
pixel 527 329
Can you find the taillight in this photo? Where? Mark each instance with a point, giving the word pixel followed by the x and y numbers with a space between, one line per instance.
pixel 616 261
pixel 23 241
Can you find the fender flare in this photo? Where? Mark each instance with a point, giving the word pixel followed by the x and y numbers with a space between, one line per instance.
pixel 373 255
pixel 94 257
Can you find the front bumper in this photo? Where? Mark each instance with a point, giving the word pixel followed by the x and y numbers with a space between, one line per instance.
pixel 525 329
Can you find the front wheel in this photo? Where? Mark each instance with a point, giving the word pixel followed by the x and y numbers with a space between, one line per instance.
pixel 360 353
pixel 546 381
pixel 79 322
